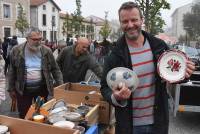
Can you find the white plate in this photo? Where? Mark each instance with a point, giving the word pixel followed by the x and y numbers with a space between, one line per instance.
pixel 172 65
pixel 64 124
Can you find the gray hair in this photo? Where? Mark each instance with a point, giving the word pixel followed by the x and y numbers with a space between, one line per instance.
pixel 32 29
pixel 62 44
pixel 130 5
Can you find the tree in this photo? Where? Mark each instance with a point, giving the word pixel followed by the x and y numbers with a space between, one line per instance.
pixel 77 18
pixel 191 22
pixel 105 30
pixel 65 27
pixel 21 23
pixel 151 11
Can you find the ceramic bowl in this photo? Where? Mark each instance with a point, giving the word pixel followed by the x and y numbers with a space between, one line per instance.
pixel 64 124
pixel 122 75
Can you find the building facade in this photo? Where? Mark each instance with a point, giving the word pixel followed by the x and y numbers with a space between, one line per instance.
pixel 44 14
pixel 8 15
pixel 66 29
pixel 177 19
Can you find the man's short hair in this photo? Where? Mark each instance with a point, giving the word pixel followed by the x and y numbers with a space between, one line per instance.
pixel 32 29
pixel 130 5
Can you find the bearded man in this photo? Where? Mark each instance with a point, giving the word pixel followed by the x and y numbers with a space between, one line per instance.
pixel 33 72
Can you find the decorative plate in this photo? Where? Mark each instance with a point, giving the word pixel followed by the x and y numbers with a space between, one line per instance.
pixel 122 75
pixel 172 66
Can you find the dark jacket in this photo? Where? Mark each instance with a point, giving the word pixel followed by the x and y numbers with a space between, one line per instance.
pixel 119 57
pixel 75 68
pixel 50 69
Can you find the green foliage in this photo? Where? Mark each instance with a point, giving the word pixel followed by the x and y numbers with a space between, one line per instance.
pixel 105 30
pixel 151 11
pixel 65 25
pixel 191 22
pixel 21 23
pixel 73 23
pixel 77 18
pixel 157 24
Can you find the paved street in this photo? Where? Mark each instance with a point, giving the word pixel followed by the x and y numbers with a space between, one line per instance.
pixel 184 123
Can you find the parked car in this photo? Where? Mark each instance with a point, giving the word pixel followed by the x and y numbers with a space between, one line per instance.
pixel 193 54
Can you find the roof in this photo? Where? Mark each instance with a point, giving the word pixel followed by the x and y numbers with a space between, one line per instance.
pixel 63 14
pixel 95 18
pixel 40 2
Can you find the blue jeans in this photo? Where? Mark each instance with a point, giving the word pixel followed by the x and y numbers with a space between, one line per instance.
pixel 146 129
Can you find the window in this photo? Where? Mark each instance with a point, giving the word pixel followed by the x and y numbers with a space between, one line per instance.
pixel 44 33
pixel 44 7
pixel 53 9
pixel 44 22
pixel 83 28
pixel 7 31
pixel 53 21
pixel 6 11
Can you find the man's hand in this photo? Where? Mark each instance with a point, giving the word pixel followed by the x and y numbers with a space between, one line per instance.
pixel 12 95
pixel 121 92
pixel 190 68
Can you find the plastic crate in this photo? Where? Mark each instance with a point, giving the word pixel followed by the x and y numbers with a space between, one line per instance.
pixel 92 130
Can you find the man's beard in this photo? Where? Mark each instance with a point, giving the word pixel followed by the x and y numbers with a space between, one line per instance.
pixel 133 37
pixel 34 47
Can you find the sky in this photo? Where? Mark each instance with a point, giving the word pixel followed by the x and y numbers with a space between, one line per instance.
pixel 99 7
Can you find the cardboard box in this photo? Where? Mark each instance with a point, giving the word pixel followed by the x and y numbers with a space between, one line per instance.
pixel 91 117
pixel 77 94
pixel 19 126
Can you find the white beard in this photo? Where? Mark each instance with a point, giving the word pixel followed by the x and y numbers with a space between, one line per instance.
pixel 34 47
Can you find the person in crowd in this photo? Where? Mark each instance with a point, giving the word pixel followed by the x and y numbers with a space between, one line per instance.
pixel 145 111
pixel 106 45
pixel 33 72
pixel 11 44
pixel 67 41
pixel 1 49
pixel 92 48
pixel 5 45
pixel 61 44
pixel 75 60
pixel 0 44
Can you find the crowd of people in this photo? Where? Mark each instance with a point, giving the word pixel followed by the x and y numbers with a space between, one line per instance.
pixel 34 71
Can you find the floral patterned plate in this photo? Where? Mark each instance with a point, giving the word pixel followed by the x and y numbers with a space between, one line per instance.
pixel 172 66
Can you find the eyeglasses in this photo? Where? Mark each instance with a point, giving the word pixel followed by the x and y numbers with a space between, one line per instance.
pixel 36 39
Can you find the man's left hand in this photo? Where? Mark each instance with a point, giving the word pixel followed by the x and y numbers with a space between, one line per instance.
pixel 190 68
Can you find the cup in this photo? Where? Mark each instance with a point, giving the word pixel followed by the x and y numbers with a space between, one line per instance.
pixel 38 118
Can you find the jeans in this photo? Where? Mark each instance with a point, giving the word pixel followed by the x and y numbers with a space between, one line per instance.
pixel 146 129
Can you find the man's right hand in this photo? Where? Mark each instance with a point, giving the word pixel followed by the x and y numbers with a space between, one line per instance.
pixel 12 95
pixel 121 92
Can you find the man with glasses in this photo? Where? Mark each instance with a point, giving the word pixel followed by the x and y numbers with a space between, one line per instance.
pixel 75 60
pixel 32 72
